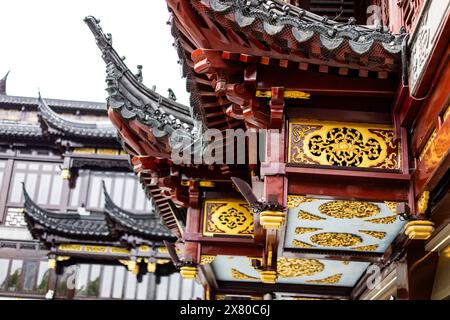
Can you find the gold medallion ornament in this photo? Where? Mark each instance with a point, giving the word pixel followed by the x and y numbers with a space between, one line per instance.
pixel 328 280
pixel 349 209
pixel 303 215
pixel 301 230
pixel 293 268
pixel 334 239
pixel 227 217
pixel 385 220
pixel 237 275
pixel 343 144
pixel 295 201
pixel 301 244
pixel 375 234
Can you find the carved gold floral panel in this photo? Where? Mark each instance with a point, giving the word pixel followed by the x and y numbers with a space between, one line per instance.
pixel 291 271
pixel 343 144
pixel 349 225
pixel 230 217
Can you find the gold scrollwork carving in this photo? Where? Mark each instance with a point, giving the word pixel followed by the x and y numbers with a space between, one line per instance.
pixel 301 244
pixel 303 215
pixel 335 239
pixel 371 247
pixel 422 203
pixel 384 220
pixel 295 201
pixel 392 205
pixel 375 234
pixel 293 268
pixel 237 275
pixel 70 247
pixel 301 230
pixel 349 209
pixel 97 249
pixel 343 144
pixel 230 217
pixel 328 280
pixel 119 250
pixel 206 259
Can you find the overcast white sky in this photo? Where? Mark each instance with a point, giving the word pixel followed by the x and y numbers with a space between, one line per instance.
pixel 47 46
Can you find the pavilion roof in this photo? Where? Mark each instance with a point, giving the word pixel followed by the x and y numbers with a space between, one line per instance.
pixel 60 104
pixel 74 128
pixel 108 226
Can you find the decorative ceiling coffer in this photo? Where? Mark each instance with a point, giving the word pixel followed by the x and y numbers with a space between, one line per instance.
pixel 227 217
pixel 343 144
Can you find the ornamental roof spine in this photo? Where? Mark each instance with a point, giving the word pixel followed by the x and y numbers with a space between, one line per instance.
pixel 129 98
pixel 108 226
pixel 148 225
pixel 72 127
pixel 3 84
pixel 276 15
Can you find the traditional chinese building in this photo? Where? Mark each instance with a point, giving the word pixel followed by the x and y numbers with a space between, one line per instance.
pixel 349 198
pixel 67 231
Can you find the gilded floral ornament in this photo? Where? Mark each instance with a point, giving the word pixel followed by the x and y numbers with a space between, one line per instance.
pixel 375 234
pixel 301 230
pixel 392 205
pixel 293 268
pixel 342 144
pixel 301 244
pixel 384 220
pixel 237 275
pixel 349 209
pixel 422 203
pixel 206 259
pixel 295 201
pixel 328 280
pixel 372 247
pixel 303 215
pixel 230 217
pixel 334 239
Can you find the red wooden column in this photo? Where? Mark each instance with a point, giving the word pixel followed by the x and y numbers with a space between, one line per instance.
pixel 275 187
pixel 193 227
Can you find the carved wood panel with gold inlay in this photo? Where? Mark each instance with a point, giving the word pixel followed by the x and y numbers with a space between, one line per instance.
pixel 321 223
pixel 227 217
pixel 343 144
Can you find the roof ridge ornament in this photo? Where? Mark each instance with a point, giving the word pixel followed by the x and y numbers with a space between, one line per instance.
pixel 131 100
pixel 276 15
pixel 78 128
pixel 3 83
